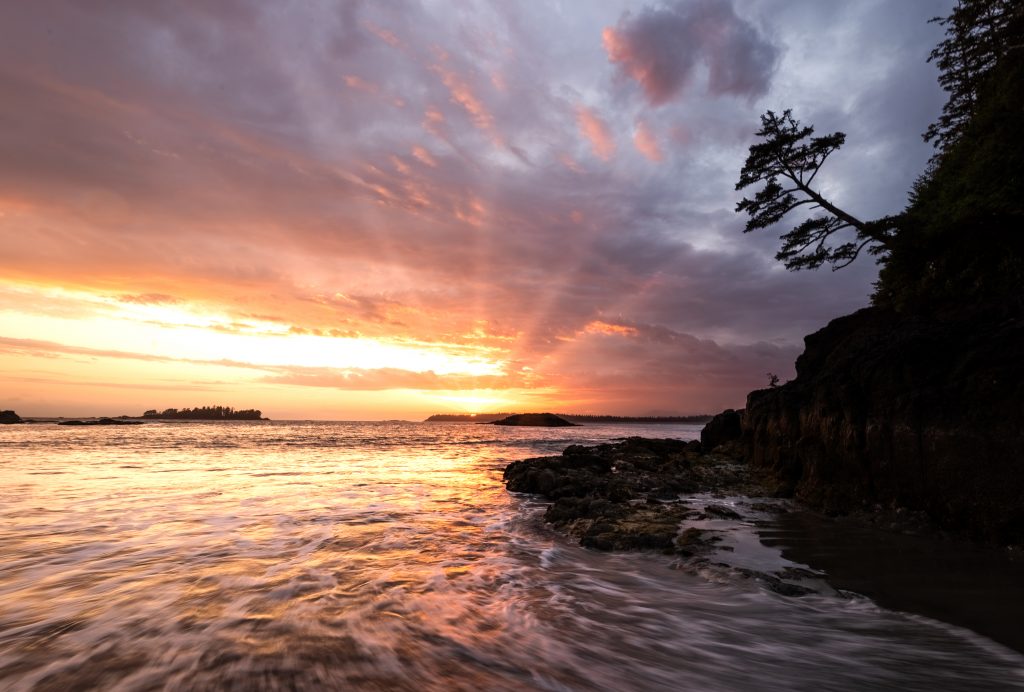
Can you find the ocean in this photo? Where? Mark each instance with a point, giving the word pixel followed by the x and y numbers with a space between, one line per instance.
pixel 388 556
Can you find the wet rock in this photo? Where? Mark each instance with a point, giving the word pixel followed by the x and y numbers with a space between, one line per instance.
pixel 725 427
pixel 691 541
pixel 626 495
pixel 721 512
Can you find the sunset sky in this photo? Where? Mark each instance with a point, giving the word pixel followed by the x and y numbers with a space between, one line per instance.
pixel 364 210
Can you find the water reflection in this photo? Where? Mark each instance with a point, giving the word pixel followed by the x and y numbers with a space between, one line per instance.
pixel 386 556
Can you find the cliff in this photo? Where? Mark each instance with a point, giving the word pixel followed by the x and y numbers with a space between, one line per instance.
pixel 924 412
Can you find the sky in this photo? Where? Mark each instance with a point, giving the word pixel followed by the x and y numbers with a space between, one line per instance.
pixel 366 210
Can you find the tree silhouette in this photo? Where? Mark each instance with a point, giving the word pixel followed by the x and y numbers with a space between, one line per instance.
pixel 789 153
pixel 979 34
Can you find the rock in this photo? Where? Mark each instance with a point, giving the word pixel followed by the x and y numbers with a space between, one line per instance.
pixel 724 427
pixel 921 411
pixel 721 512
pixel 101 421
pixel 545 420
pixel 9 418
pixel 625 496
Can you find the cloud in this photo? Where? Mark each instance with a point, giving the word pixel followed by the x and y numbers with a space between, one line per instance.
pixel 378 379
pixel 646 143
pixel 148 299
pixel 462 94
pixel 596 131
pixel 662 47
pixel 337 167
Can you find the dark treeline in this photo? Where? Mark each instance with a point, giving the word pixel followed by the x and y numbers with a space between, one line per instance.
pixel 205 413
pixel 571 417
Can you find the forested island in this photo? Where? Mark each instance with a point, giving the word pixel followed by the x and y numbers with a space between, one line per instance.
pixel 571 417
pixel 204 413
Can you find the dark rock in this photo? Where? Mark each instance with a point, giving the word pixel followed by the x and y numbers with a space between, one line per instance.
pixel 9 418
pixel 918 411
pixel 101 421
pixel 724 427
pixel 721 512
pixel 691 541
pixel 625 496
pixel 546 420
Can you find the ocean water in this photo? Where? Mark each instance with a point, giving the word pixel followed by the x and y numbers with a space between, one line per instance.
pixel 387 556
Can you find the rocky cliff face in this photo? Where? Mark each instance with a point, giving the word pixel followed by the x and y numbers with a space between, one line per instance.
pixel 921 412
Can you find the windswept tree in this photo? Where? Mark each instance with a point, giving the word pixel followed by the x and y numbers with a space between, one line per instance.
pixel 787 160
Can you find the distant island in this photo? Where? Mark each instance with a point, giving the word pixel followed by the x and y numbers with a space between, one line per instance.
pixel 204 413
pixel 9 418
pixel 572 418
pixel 540 420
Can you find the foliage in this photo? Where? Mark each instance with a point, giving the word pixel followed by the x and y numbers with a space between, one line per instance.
pixel 960 240
pixel 962 236
pixel 979 34
pixel 790 153
pixel 205 413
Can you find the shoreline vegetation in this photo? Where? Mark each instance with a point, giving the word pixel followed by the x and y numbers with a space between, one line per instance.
pixel 204 413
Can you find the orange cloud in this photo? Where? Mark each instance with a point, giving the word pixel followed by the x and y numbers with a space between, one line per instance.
pixel 463 95
pixel 424 156
pixel 400 165
pixel 433 122
pixel 570 163
pixel 471 212
pixel 596 131
pixel 383 34
pixel 646 143
pixel 359 84
pixel 607 328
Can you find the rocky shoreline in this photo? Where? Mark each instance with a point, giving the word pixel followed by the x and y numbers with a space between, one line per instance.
pixel 719 516
pixel 664 495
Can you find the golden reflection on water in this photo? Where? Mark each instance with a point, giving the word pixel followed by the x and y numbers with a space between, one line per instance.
pixel 375 556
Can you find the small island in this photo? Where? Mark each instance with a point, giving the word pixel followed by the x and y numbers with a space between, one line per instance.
pixel 9 418
pixel 543 420
pixel 204 413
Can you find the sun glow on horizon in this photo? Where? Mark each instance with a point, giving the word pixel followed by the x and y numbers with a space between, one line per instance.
pixel 191 333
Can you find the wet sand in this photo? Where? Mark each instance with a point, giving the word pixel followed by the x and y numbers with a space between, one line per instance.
pixel 948 579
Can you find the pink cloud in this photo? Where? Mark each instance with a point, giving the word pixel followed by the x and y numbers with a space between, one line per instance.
pixel 596 131
pixel 570 163
pixel 383 34
pixel 646 143
pixel 424 156
pixel 661 49
pixel 463 95
pixel 360 84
